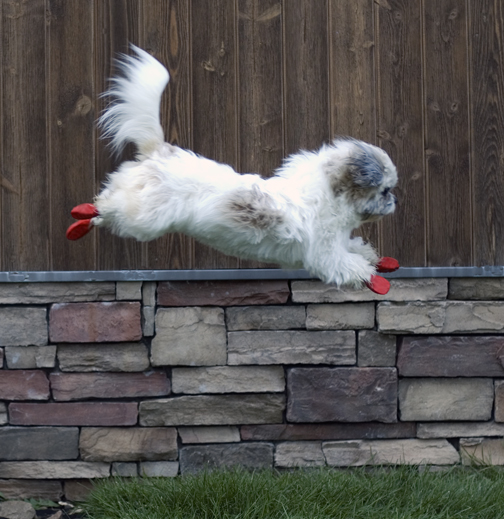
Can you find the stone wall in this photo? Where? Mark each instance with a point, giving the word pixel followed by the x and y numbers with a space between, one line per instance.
pixel 130 378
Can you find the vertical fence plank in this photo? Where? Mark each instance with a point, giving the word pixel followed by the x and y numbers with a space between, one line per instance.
pixel 166 34
pixel 487 96
pixel 117 25
pixel 25 200
pixel 214 118
pixel 70 126
pixel 400 125
pixel 447 133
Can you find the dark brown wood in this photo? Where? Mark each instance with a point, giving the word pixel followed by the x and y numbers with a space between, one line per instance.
pixel 487 113
pixel 70 120
pixel 447 133
pixel 214 117
pixel 400 125
pixel 25 189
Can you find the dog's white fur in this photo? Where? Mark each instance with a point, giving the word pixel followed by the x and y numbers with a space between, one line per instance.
pixel 301 217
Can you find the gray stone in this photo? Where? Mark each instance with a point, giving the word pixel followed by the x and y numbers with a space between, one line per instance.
pixel 343 316
pixel 376 349
pixel 17 510
pixel 128 443
pixel 228 379
pixel 43 293
pixel 39 443
pixel 129 290
pixel 124 470
pixel 486 289
pixel 292 347
pixel 149 293
pixel 241 318
pixel 390 452
pixel 189 336
pixel 213 410
pixel 474 317
pixel 499 400
pixel 53 470
pixel 148 321
pixel 446 399
pixel 3 414
pixel 459 430
pixel 30 357
pixel 342 395
pixel 224 434
pixel 482 451
pixel 23 326
pixel 159 469
pixel 128 357
pixel 31 489
pixel 424 289
pixel 247 455
pixel 299 454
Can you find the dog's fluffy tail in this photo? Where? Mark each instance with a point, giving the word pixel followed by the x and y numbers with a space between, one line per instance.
pixel 133 115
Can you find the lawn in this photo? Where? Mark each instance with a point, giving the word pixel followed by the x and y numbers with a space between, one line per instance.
pixel 387 493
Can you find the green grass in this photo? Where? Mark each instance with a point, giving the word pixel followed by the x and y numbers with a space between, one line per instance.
pixel 397 493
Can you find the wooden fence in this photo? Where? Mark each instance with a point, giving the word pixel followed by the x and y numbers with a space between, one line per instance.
pixel 252 81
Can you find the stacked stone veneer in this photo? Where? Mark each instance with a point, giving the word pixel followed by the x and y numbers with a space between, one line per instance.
pixel 103 379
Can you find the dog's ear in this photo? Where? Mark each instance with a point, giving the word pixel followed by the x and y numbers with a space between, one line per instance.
pixel 365 169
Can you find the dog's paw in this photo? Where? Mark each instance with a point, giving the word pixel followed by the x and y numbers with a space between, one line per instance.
pixel 378 285
pixel 84 211
pixel 387 264
pixel 79 229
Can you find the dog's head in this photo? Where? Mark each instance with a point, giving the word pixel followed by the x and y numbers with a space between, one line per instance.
pixel 364 176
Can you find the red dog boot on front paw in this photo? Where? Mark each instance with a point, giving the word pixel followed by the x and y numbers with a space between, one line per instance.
pixel 79 229
pixel 378 285
pixel 84 211
pixel 387 265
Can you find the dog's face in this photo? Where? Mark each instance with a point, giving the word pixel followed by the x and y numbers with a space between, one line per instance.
pixel 364 176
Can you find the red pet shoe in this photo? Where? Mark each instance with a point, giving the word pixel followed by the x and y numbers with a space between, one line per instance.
pixel 84 211
pixel 378 285
pixel 79 229
pixel 387 265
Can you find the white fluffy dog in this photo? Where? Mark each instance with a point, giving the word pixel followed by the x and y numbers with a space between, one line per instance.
pixel 301 217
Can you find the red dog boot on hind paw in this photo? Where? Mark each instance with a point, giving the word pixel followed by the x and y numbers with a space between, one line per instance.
pixel 84 211
pixel 79 229
pixel 387 265
pixel 378 285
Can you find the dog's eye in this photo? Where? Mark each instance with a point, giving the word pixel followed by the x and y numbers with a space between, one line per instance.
pixel 386 191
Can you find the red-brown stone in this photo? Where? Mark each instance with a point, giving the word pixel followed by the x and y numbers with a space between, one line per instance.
pixel 95 322
pixel 80 413
pixel 24 385
pixel 222 293
pixel 78 386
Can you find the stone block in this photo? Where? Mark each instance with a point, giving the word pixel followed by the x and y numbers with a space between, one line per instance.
pixel 149 293
pixel 3 414
pixel 79 386
pixel 216 434
pixel 482 451
pixel 242 318
pixel 148 321
pixel 446 399
pixel 459 430
pixel 189 336
pixel 197 458
pixel 26 489
pixel 343 431
pixel 292 347
pixel 376 349
pixel 299 454
pixel 44 293
pixel 124 470
pixel 424 289
pixel 24 385
pixel 74 413
pixel 499 401
pixel 53 470
pixel 125 357
pixel 213 410
pixel 23 326
pixel 474 317
pixel 486 289
pixel 128 444
pixel 77 490
pixel 228 379
pixel 222 293
pixel 342 395
pixel 2 358
pixel 39 443
pixel 30 357
pixel 95 322
pixel 451 356
pixel 159 469
pixel 17 510
pixel 343 316
pixel 390 452
pixel 129 290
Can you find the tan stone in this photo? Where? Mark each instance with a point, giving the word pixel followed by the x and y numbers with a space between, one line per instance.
pixel 30 357
pixel 478 451
pixel 17 510
pixel 149 293
pixel 31 489
pixel 77 490
pixel 343 316
pixel 53 470
pixel 23 326
pixel 299 454
pixel 129 290
pixel 216 434
pixel 459 430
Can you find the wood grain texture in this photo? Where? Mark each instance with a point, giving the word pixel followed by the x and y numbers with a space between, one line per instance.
pixel 214 118
pixel 24 189
pixel 70 127
pixel 166 34
pixel 400 125
pixel 487 114
pixel 447 133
